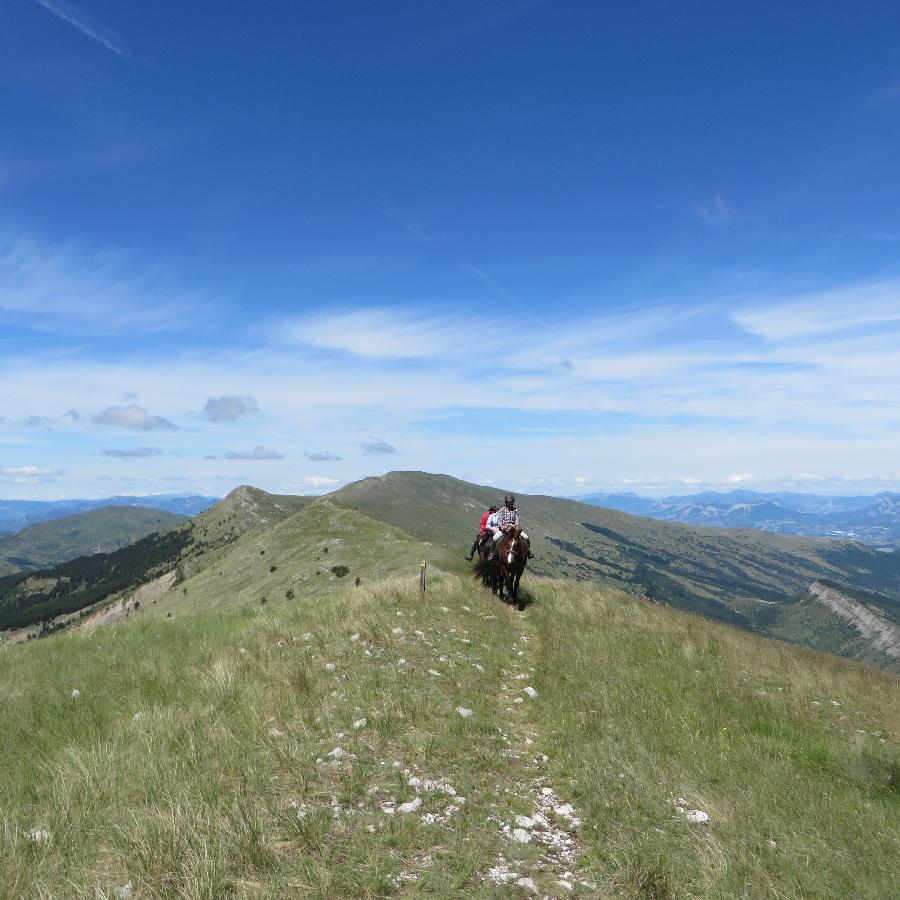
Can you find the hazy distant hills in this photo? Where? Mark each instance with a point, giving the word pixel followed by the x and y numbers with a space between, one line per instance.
pixel 873 520
pixel 17 514
pixel 100 530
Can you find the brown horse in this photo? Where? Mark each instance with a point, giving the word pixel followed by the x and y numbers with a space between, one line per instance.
pixel 502 573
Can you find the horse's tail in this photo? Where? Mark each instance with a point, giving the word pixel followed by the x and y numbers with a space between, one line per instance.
pixel 483 568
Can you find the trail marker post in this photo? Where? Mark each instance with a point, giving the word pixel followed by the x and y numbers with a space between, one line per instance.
pixel 422 567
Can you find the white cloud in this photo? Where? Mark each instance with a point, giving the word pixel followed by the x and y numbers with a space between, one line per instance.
pixel 229 408
pixel 739 478
pixel 323 456
pixel 375 448
pixel 316 482
pixel 133 453
pixel 256 453
pixel 131 416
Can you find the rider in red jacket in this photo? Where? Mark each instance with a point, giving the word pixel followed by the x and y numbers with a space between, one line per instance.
pixel 482 530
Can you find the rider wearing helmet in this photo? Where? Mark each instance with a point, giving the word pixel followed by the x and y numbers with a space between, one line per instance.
pixel 507 516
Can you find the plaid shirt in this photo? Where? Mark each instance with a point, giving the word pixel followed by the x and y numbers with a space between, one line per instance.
pixel 507 517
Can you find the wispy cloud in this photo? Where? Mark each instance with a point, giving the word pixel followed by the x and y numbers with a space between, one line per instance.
pixel 825 312
pixel 256 453
pixel 72 290
pixel 86 24
pixel 716 212
pixel 132 416
pixel 380 333
pixel 27 474
pixel 323 456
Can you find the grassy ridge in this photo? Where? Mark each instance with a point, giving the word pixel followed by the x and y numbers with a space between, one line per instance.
pixel 223 787
pixel 741 577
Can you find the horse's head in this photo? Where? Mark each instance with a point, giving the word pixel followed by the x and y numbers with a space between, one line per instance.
pixel 512 544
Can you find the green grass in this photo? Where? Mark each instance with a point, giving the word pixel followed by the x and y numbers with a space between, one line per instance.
pixel 637 705
pixel 722 574
pixel 645 706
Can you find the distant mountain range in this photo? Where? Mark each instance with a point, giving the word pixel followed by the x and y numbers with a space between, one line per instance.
pixel 872 520
pixel 99 530
pixel 17 514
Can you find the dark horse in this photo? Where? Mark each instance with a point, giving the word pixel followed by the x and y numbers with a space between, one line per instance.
pixel 502 573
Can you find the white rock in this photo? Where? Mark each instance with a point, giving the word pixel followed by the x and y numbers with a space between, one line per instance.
pixel 330 667
pixel 401 662
pixel 530 692
pixel 360 723
pixel 126 892
pixel 521 836
pixel 434 672
pixel 681 802
pixel 38 836
pixel 276 733
pixel 420 634
pixel 309 637
pixel 397 632
pixel 354 637
pixel 519 700
pixel 75 693
pixel 137 717
pixel 242 651
pixel 337 753
pixel 528 885
pixel 696 815
pixel 565 885
pixel 444 609
pixel 478 666
pixel 524 822
pixel 411 806
pixel 465 712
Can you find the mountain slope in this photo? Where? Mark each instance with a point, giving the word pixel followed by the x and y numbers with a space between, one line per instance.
pixel 100 530
pixel 744 577
pixel 27 599
pixel 18 514
pixel 315 748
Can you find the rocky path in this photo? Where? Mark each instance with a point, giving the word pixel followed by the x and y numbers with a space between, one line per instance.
pixel 425 756
pixel 548 824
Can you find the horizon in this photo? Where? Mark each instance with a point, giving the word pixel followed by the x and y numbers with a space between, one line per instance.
pixel 573 249
pixel 655 495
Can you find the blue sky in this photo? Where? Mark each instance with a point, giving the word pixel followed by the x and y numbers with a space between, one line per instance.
pixel 559 247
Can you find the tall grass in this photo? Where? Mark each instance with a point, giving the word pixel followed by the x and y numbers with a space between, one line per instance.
pixel 195 762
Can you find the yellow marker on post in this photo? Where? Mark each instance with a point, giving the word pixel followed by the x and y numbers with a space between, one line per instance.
pixel 422 566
